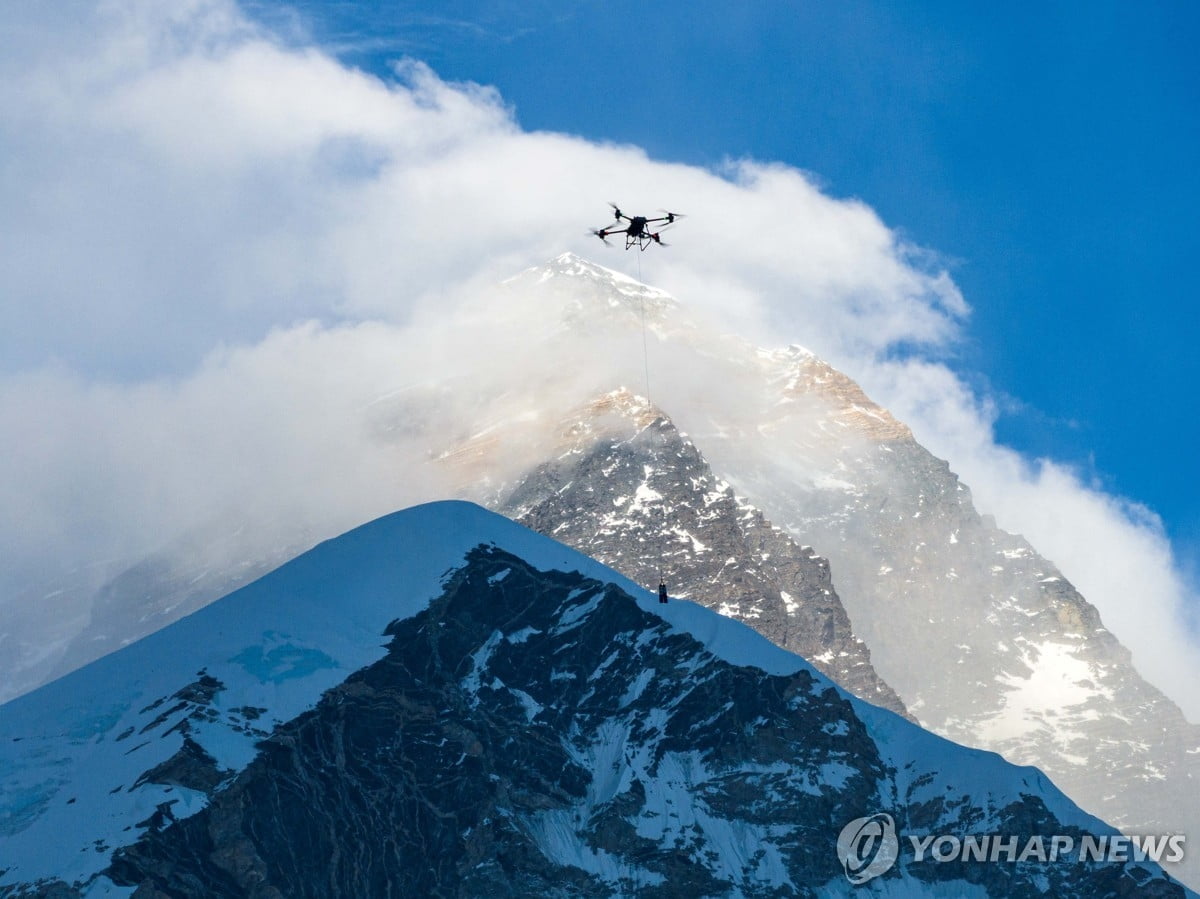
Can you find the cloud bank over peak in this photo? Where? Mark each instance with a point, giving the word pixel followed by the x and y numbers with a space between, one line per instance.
pixel 181 177
pixel 224 246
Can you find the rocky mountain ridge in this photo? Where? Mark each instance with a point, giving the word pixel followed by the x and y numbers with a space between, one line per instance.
pixel 632 492
pixel 443 703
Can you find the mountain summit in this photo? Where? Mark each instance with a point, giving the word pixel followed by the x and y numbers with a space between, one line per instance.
pixel 633 492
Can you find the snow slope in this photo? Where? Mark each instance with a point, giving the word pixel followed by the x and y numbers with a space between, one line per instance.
pixel 276 645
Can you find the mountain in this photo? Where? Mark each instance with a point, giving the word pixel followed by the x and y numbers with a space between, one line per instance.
pixel 772 458
pixel 983 640
pixel 634 493
pixel 444 703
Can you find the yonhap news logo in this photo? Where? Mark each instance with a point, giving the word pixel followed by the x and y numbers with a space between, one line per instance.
pixel 870 846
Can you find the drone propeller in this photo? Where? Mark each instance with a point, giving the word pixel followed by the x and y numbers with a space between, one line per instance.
pixel 601 233
pixel 672 216
pixel 617 214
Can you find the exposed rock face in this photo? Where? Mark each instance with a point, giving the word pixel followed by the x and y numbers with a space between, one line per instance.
pixel 985 640
pixel 629 490
pixel 536 733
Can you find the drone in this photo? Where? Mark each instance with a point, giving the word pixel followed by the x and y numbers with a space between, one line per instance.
pixel 637 232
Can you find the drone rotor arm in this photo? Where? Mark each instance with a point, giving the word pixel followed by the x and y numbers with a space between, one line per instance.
pixel 617 213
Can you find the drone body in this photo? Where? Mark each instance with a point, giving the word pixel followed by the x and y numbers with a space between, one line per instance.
pixel 637 232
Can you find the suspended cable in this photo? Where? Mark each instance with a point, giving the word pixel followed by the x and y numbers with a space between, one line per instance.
pixel 645 345
pixel 662 586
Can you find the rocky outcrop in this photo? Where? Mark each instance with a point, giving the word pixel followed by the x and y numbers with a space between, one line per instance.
pixel 631 491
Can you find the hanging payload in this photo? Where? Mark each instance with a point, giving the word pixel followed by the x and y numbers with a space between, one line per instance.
pixel 637 232
pixel 662 593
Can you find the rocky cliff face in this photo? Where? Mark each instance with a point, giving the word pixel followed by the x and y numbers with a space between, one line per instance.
pixel 527 731
pixel 985 640
pixel 631 491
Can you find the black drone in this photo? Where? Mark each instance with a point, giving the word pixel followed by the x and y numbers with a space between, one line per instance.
pixel 637 232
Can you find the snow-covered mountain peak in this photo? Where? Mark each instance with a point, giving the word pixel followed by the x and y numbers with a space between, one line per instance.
pixel 628 488
pixel 617 409
pixel 571 265
pixel 474 460
pixel 796 373
pixel 589 294
pixel 441 702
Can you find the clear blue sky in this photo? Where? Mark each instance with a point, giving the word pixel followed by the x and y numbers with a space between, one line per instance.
pixel 1048 149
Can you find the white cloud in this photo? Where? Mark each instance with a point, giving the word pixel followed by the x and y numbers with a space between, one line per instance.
pixel 181 180
pixel 221 250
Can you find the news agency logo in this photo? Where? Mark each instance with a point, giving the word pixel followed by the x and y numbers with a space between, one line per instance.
pixel 868 847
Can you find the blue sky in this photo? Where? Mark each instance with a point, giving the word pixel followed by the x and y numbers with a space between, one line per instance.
pixel 1047 152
